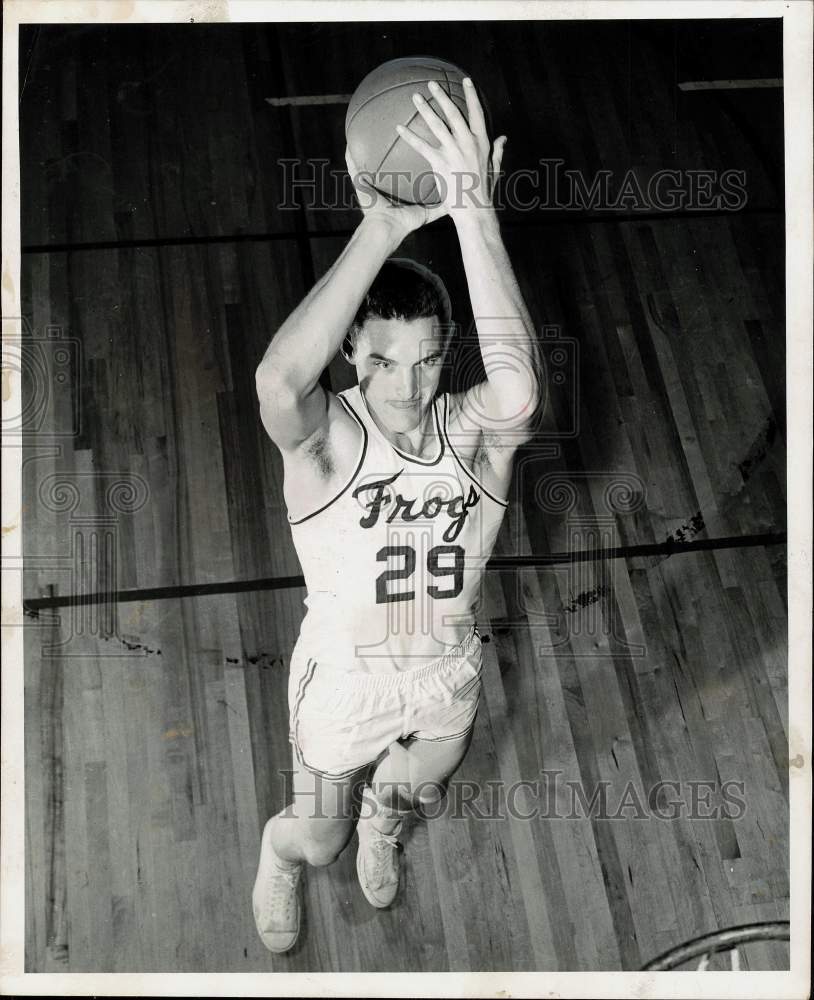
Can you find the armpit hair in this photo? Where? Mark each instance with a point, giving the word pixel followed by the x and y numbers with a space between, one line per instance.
pixel 318 450
pixel 490 441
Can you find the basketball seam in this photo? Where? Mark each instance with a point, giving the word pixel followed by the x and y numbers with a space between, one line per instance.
pixel 392 145
pixel 387 90
pixel 389 150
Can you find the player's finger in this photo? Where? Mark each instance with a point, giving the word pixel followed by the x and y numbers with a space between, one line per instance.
pixel 457 122
pixel 436 126
pixel 417 143
pixel 497 154
pixel 477 122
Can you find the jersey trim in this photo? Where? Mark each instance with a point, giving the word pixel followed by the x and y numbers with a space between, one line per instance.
pixel 404 454
pixel 349 483
pixel 503 503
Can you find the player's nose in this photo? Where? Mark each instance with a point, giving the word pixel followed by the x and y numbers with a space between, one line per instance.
pixel 408 387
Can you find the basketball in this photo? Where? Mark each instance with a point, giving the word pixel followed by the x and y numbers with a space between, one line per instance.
pixel 383 100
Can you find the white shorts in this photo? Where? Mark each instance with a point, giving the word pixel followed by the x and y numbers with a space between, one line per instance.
pixel 340 723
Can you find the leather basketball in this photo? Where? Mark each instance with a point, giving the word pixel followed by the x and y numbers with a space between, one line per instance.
pixel 383 100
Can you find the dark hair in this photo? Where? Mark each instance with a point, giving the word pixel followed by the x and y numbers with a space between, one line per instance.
pixel 403 289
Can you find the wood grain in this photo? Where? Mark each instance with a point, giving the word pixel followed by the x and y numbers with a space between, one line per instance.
pixel 160 254
pixel 172 760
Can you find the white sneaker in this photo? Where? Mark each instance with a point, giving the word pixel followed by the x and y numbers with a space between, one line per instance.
pixel 377 863
pixel 276 898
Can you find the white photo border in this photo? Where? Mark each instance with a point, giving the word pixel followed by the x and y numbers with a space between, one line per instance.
pixel 797 74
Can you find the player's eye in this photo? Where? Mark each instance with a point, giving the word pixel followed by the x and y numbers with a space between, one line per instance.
pixel 382 364
pixel 432 361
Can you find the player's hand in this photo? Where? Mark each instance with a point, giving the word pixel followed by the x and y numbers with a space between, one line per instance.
pixel 466 164
pixel 375 205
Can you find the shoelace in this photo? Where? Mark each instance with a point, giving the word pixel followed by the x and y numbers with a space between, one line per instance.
pixel 382 856
pixel 280 889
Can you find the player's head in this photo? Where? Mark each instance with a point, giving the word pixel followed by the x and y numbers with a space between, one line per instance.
pixel 399 339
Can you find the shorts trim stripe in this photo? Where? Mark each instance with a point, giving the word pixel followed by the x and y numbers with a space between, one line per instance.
pixel 445 739
pixel 331 775
pixel 305 680
pixel 329 746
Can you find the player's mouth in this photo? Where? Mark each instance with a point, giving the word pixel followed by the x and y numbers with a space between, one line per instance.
pixel 408 405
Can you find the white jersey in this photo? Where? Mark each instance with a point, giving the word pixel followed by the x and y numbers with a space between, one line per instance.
pixel 394 563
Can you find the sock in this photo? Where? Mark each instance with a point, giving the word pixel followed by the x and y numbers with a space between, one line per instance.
pixel 384 818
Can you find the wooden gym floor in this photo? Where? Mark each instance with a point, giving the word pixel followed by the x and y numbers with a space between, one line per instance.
pixel 156 254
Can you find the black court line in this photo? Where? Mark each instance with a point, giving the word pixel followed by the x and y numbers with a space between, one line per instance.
pixel 667 548
pixel 548 217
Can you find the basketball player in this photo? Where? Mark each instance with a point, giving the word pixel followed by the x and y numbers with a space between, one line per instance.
pixel 395 495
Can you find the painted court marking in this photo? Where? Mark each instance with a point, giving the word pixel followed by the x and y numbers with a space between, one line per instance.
pixel 310 99
pixel 767 83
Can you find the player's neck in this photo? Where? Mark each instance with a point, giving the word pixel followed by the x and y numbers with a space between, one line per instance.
pixel 420 442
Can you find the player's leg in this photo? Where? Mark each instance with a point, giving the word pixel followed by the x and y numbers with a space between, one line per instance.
pixel 313 829
pixel 318 823
pixel 444 701
pixel 408 777
pixel 415 772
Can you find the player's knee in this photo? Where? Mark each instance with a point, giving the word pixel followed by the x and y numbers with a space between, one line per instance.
pixel 319 854
pixel 427 794
pixel 323 847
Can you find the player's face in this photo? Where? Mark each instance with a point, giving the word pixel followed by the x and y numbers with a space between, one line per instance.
pixel 399 366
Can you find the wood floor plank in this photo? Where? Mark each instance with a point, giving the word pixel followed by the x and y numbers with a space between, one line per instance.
pixel 686 454
pixel 156 729
pixel 146 846
pixel 545 751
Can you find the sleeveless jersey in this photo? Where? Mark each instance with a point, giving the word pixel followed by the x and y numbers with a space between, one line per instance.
pixel 393 564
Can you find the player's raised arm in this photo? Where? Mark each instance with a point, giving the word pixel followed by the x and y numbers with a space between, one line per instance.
pixel 468 167
pixel 512 392
pixel 293 404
